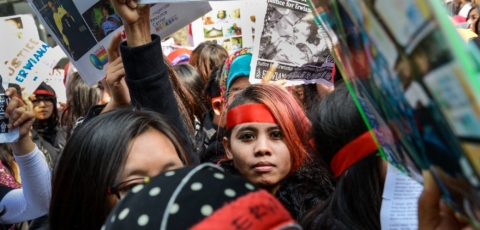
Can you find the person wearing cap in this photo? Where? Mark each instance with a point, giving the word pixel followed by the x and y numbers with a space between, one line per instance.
pixel 180 55
pixel 204 197
pixel 45 108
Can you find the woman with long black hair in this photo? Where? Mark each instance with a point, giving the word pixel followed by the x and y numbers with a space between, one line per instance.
pixel 347 146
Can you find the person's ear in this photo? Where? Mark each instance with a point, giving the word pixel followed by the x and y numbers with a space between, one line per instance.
pixel 228 149
pixel 218 107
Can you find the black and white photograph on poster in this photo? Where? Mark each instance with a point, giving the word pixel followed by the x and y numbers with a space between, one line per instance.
pixel 292 37
pixel 65 20
pixel 102 19
pixel 289 36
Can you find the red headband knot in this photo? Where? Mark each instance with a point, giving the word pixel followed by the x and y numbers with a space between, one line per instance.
pixel 351 153
pixel 249 113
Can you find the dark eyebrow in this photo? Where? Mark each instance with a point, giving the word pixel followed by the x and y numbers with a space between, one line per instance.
pixel 272 128
pixel 142 172
pixel 248 128
pixel 167 166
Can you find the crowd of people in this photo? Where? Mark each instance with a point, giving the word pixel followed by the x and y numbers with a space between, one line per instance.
pixel 194 146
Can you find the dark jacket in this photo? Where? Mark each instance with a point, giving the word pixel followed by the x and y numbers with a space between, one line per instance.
pixel 150 87
pixel 46 148
pixel 303 190
pixel 47 132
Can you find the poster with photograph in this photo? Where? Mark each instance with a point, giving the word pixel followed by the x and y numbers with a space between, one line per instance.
pixel 83 28
pixel 290 45
pixel 22 26
pixel 417 88
pixel 229 24
pixel 29 62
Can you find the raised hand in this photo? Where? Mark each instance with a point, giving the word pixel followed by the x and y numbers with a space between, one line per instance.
pixel 136 21
pixel 21 116
pixel 116 76
pixel 432 213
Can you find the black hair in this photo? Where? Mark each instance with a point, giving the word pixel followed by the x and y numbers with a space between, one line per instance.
pixel 108 8
pixel 79 100
pixel 313 37
pixel 212 89
pixel 357 198
pixel 92 160
pixel 194 83
pixel 224 13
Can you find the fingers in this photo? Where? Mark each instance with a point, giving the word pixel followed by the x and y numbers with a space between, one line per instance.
pixel 113 52
pixel 429 203
pixel 131 3
pixel 14 103
pixel 280 82
pixel 270 73
pixel 10 92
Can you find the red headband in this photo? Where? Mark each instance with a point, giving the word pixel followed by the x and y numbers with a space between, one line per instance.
pixel 351 153
pixel 43 92
pixel 249 113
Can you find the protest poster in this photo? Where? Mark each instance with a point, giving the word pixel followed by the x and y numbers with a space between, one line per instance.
pixel 30 62
pixel 84 28
pixel 290 45
pixel 416 84
pixel 231 25
pixel 55 80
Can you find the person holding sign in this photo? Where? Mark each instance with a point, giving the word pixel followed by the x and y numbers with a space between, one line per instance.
pixel 32 200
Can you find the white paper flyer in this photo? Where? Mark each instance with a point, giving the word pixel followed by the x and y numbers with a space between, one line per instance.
pixel 291 39
pixel 83 28
pixel 400 198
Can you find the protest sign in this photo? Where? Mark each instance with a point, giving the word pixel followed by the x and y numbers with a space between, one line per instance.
pixel 290 45
pixel 416 85
pixel 55 80
pixel 231 25
pixel 30 63
pixel 84 28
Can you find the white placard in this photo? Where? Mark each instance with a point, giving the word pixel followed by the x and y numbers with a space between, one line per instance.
pixel 84 28
pixel 291 46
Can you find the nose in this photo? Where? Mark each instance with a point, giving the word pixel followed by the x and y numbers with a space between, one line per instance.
pixel 41 103
pixel 262 147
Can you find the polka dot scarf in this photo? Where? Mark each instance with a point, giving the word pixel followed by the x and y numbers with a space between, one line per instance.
pixel 226 70
pixel 204 197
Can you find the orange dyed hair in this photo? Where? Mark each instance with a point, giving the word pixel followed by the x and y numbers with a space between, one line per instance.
pixel 293 122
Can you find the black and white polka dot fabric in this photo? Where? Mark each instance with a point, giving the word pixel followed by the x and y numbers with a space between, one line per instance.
pixel 190 198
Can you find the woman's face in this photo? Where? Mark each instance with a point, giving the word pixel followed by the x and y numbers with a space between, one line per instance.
pixel 43 107
pixel 301 31
pixel 259 153
pixel 104 92
pixel 104 11
pixel 150 154
pixel 221 14
pixel 473 17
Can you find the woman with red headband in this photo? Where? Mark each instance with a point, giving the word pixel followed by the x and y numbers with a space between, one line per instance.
pixel 267 142
pixel 347 145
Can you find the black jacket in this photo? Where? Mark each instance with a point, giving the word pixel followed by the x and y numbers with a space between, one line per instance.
pixel 303 190
pixel 150 87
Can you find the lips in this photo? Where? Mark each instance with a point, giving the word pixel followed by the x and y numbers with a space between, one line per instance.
pixel 263 167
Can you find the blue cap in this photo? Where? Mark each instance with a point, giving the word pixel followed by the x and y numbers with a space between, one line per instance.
pixel 240 67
